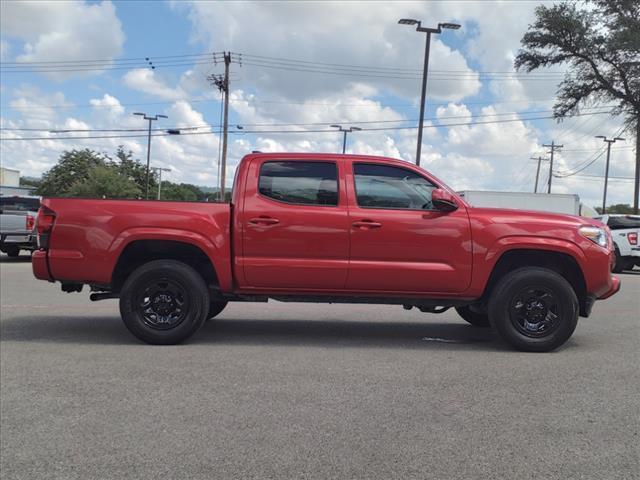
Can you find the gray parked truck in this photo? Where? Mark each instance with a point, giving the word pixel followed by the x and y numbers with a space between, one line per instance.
pixel 17 224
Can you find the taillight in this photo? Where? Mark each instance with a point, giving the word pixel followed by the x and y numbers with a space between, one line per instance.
pixel 44 224
pixel 633 238
pixel 30 222
pixel 45 220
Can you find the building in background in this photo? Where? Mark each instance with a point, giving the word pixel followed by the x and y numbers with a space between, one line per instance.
pixel 10 183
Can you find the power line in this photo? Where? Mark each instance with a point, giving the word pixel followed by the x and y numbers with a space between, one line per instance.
pixel 293 131
pixel 279 63
pixel 253 101
pixel 359 122
pixel 584 166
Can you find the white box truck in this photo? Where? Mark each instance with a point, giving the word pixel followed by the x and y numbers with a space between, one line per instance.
pixel 543 202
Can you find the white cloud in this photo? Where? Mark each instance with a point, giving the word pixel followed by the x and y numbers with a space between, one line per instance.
pixel 340 33
pixel 69 30
pixel 146 81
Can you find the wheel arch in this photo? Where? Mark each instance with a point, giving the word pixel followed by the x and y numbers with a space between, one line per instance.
pixel 562 263
pixel 137 252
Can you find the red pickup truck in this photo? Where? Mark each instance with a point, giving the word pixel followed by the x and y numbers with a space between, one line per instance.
pixel 329 228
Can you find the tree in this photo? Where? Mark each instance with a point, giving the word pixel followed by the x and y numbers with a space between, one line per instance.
pixel 73 167
pixel 104 182
pixel 29 182
pixel 133 169
pixel 600 42
pixel 182 192
pixel 617 208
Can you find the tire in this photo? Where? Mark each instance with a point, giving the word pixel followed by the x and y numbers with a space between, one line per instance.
pixel 474 318
pixel 215 308
pixel 619 264
pixel 628 264
pixel 12 250
pixel 534 309
pixel 164 302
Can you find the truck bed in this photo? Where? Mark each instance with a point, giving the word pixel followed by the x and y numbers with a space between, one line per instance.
pixel 89 235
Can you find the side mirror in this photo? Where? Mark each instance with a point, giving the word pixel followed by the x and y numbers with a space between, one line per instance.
pixel 443 200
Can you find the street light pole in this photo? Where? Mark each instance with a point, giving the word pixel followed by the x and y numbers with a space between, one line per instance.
pixel 160 170
pixel 150 119
pixel 606 169
pixel 345 131
pixel 425 73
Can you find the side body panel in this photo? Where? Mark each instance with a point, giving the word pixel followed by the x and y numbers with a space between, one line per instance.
pixel 419 251
pixel 304 246
pixel 89 235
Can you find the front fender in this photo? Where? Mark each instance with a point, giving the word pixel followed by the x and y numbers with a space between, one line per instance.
pixel 486 259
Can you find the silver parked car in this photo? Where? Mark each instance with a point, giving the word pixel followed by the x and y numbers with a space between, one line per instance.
pixel 17 224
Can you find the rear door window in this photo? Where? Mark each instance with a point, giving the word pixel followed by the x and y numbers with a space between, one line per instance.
pixel 304 183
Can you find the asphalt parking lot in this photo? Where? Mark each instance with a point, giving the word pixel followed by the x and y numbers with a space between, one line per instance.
pixel 310 391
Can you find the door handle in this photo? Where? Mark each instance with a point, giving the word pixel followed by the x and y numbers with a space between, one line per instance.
pixel 264 221
pixel 366 224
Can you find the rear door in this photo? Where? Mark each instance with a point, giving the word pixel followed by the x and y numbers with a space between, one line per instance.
pixel 294 225
pixel 399 242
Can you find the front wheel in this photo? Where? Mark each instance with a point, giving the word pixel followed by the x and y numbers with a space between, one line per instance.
pixel 617 264
pixel 534 309
pixel 164 302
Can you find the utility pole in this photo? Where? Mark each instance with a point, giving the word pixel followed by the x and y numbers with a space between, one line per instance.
pixel 606 168
pixel 150 119
pixel 345 130
pixel 636 187
pixel 553 147
pixel 160 170
pixel 539 159
pixel 423 97
pixel 222 82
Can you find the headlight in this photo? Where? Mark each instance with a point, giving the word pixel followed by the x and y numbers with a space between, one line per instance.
pixel 596 235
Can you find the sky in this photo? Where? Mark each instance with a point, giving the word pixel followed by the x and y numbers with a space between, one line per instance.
pixel 84 68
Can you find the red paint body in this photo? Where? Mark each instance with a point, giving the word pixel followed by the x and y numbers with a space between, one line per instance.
pixel 259 245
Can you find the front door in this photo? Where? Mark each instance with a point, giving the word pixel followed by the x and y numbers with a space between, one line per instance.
pixel 399 242
pixel 295 226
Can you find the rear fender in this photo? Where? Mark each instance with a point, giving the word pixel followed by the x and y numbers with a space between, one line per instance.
pixel 215 249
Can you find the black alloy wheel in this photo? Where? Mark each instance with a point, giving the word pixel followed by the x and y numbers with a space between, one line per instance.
pixel 164 302
pixel 534 311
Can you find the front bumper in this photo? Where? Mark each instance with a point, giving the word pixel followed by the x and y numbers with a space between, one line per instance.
pixel 613 289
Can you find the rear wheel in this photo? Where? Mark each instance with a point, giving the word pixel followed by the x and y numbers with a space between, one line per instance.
pixel 12 250
pixel 475 318
pixel 164 302
pixel 534 309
